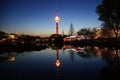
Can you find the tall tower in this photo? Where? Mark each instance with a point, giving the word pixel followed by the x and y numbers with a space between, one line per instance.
pixel 57 20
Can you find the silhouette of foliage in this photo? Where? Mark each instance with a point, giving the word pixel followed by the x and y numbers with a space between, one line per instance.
pixel 85 32
pixel 109 12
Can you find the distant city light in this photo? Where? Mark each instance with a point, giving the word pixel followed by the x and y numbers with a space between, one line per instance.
pixel 11 36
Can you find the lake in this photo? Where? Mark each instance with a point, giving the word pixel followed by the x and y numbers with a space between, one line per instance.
pixel 66 63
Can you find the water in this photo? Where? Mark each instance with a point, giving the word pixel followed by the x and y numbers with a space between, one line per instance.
pixel 81 63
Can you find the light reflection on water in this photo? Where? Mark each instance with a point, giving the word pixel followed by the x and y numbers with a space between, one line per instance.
pixel 67 63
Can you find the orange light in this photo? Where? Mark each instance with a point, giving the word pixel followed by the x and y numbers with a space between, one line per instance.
pixel 57 63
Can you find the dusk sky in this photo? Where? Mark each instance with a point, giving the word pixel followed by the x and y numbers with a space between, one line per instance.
pixel 36 17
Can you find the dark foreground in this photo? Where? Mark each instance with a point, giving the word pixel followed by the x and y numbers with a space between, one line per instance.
pixel 66 62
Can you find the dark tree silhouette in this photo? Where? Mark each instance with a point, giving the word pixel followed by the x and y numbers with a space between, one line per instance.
pixel 109 12
pixel 85 32
pixel 106 30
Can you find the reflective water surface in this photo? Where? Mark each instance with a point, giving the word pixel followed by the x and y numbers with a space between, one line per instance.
pixel 67 63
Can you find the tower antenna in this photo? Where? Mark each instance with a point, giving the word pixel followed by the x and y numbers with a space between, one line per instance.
pixel 57 19
pixel 56 9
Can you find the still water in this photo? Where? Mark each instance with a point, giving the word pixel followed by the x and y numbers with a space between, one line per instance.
pixel 67 63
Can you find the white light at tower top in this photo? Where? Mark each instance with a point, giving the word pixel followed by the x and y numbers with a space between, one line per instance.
pixel 57 19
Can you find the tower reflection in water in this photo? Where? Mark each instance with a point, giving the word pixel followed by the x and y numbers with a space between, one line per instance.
pixel 57 63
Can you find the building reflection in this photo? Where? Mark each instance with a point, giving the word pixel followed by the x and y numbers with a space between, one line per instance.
pixel 108 54
pixel 71 47
pixel 7 57
pixel 82 52
pixel 11 58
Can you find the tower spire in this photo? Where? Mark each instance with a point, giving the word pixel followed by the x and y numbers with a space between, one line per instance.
pixel 56 9
pixel 57 19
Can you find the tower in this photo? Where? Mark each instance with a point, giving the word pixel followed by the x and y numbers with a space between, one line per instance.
pixel 57 20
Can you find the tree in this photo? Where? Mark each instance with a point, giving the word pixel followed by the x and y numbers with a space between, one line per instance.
pixel 109 12
pixel 85 32
pixel 106 30
pixel 71 30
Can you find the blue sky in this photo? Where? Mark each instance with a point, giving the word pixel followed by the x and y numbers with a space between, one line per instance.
pixel 36 17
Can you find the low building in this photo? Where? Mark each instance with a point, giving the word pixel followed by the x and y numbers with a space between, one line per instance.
pixel 73 38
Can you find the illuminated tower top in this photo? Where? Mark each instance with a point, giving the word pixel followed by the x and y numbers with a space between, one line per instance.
pixel 57 18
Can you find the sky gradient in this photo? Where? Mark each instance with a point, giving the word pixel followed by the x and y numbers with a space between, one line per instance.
pixel 36 17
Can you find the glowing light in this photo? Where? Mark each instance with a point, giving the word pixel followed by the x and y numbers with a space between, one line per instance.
pixel 3 39
pixel 22 42
pixel 57 19
pixel 57 63
pixel 11 58
pixel 11 36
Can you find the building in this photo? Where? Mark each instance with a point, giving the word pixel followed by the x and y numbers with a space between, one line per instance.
pixel 73 38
